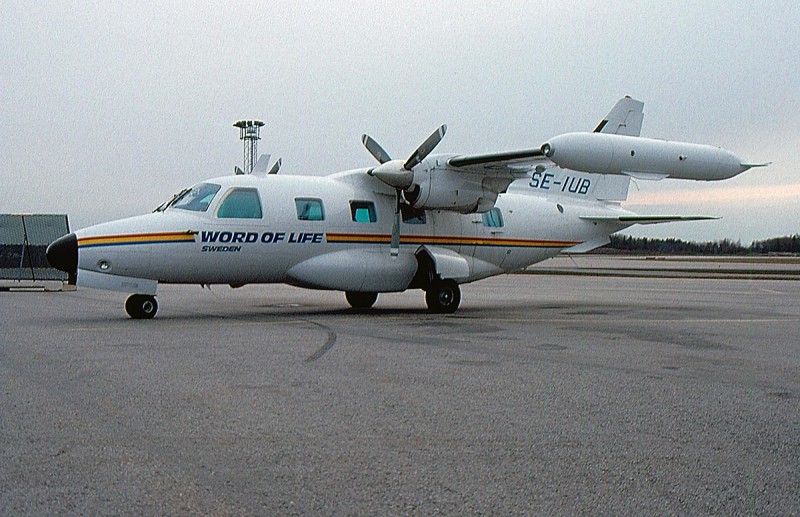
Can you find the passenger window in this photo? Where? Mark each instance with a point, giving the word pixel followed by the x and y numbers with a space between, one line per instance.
pixel 309 209
pixel 412 215
pixel 493 218
pixel 363 211
pixel 241 203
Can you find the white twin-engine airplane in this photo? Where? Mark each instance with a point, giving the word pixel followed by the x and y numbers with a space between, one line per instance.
pixel 430 222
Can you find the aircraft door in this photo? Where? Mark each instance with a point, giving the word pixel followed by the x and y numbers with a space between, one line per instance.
pixel 489 231
pixel 448 231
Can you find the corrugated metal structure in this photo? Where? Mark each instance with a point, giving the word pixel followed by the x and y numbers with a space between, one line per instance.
pixel 23 242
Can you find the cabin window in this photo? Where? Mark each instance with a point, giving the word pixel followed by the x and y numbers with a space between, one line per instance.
pixel 363 211
pixel 196 198
pixel 309 209
pixel 240 203
pixel 412 215
pixel 493 218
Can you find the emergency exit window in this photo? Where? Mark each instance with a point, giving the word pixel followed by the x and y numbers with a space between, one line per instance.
pixel 363 211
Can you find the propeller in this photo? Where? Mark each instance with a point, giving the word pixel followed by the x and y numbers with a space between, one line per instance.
pixel 399 174
pixel 275 167
pixel 261 165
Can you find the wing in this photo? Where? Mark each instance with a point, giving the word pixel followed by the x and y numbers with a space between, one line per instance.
pixel 515 163
pixel 494 172
pixel 625 118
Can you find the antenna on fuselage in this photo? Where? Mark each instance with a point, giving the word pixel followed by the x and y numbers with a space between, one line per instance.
pixel 250 134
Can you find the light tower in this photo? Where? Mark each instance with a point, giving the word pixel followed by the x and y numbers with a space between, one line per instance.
pixel 250 133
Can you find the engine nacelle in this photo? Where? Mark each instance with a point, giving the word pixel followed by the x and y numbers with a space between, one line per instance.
pixel 446 189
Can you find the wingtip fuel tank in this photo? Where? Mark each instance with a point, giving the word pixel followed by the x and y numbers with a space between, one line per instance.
pixel 642 157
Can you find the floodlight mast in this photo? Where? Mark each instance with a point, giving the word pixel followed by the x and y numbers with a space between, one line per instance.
pixel 250 134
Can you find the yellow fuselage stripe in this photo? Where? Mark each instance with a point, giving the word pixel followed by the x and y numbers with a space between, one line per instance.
pixel 140 238
pixel 446 240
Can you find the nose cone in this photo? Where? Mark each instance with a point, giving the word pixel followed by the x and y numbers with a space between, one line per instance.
pixel 62 254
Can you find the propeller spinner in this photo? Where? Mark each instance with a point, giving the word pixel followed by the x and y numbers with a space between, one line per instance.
pixel 398 174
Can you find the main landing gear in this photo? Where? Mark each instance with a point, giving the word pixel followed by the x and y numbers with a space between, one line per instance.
pixel 441 296
pixel 141 306
pixel 361 300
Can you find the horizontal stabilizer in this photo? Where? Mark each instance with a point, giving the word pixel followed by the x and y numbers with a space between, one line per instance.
pixel 586 247
pixel 645 219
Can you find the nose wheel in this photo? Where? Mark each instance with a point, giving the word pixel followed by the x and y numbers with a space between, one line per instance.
pixel 141 306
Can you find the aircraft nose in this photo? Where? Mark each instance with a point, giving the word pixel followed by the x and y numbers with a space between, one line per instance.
pixel 62 254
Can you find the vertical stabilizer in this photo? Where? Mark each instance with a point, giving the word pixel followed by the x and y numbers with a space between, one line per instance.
pixel 624 119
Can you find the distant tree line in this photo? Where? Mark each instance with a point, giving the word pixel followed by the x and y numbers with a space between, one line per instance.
pixel 642 245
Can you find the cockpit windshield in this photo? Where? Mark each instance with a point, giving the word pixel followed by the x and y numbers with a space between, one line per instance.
pixel 195 199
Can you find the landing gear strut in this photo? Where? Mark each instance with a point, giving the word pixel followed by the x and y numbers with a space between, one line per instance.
pixel 443 296
pixel 361 300
pixel 141 306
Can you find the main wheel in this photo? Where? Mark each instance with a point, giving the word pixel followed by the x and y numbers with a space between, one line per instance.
pixel 360 299
pixel 141 306
pixel 443 296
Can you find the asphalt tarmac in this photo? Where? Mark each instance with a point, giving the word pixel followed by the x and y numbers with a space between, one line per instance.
pixel 541 395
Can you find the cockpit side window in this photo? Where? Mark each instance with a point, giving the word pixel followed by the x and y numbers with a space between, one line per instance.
pixel 240 203
pixel 196 198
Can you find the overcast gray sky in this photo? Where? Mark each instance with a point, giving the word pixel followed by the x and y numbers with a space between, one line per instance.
pixel 110 107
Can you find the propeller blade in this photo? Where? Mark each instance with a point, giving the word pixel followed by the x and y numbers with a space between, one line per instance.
pixel 261 165
pixel 275 167
pixel 395 246
pixel 375 149
pixel 425 149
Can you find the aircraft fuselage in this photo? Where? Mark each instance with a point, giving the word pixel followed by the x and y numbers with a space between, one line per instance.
pixel 332 250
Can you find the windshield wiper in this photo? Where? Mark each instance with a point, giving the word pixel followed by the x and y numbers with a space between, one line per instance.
pixel 167 204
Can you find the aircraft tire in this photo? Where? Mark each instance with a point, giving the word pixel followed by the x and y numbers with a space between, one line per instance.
pixel 443 296
pixel 141 306
pixel 361 299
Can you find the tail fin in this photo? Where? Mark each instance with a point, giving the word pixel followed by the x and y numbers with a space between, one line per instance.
pixel 625 118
